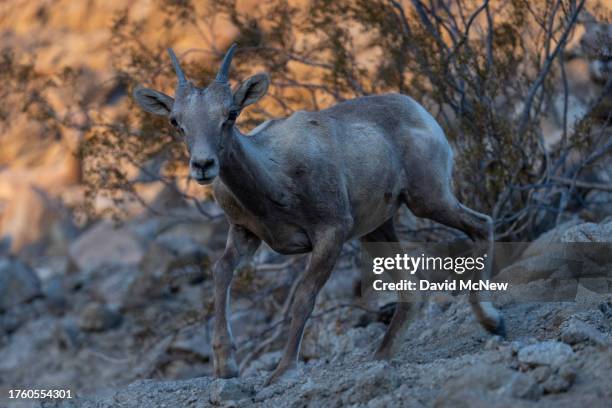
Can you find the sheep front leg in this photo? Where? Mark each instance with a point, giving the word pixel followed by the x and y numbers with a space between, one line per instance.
pixel 322 260
pixel 241 244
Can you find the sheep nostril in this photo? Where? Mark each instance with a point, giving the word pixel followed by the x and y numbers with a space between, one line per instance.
pixel 203 165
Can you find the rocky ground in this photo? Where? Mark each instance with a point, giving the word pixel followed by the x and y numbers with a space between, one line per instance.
pixel 125 322
pixel 447 361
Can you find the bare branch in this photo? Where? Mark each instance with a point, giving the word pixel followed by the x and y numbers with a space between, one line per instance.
pixel 582 184
pixel 526 113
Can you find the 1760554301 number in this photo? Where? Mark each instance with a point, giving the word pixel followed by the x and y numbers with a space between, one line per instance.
pixel 40 394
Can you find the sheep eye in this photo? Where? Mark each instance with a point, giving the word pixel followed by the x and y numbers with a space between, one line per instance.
pixel 178 127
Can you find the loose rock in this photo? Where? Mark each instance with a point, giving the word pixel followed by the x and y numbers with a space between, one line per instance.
pixel 556 384
pixel 576 331
pixel 486 380
pixel 193 342
pixel 222 390
pixel 98 317
pixel 552 353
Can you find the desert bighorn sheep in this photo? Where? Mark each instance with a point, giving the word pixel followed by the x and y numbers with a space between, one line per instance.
pixel 309 183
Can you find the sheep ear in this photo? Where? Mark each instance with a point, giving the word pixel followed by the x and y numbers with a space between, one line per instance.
pixel 153 101
pixel 251 90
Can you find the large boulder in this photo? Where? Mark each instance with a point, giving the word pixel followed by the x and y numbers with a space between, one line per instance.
pixel 561 266
pixel 18 283
pixel 541 245
pixel 589 232
pixel 103 245
pixel 21 349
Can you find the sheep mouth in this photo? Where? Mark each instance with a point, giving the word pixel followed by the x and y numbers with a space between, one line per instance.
pixel 204 180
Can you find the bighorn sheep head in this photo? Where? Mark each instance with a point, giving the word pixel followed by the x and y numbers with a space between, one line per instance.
pixel 204 116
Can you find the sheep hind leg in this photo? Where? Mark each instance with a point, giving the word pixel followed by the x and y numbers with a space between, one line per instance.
pixel 407 305
pixel 447 210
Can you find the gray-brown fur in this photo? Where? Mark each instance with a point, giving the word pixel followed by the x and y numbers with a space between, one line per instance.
pixel 309 183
